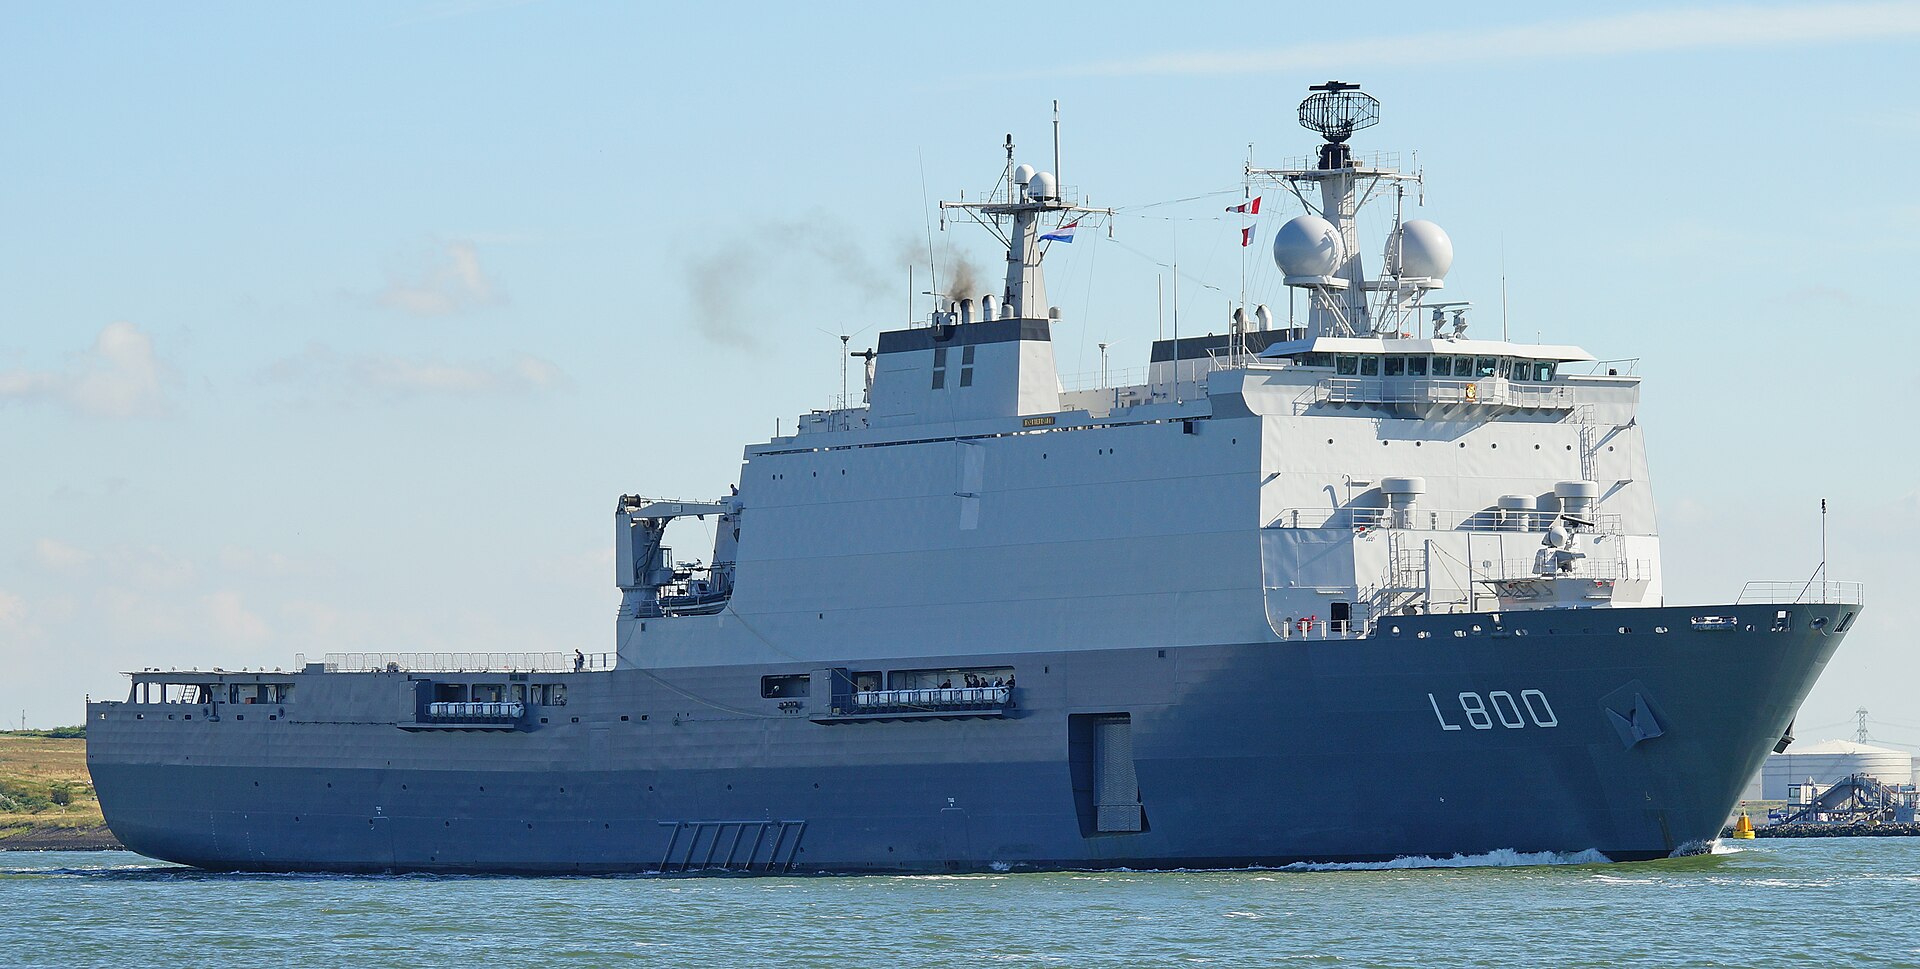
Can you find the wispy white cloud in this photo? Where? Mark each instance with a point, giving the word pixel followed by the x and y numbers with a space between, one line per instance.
pixel 54 555
pixel 119 376
pixel 452 283
pixel 1629 33
pixel 393 376
pixel 231 619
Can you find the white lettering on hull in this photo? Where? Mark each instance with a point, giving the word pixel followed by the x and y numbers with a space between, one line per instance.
pixel 1481 712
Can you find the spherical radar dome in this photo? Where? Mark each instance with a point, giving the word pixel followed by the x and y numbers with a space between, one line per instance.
pixel 1308 245
pixel 1422 250
pixel 1043 186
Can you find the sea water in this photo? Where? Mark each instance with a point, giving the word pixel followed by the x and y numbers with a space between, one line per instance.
pixel 1842 901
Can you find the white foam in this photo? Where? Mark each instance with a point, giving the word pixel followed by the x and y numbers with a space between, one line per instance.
pixel 1503 858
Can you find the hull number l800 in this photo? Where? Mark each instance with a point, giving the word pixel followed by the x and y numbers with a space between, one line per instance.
pixel 1498 706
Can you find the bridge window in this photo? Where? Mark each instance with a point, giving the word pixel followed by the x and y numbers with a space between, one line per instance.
pixel 1369 366
pixel 1346 365
pixel 1416 366
pixel 1396 366
pixel 1485 367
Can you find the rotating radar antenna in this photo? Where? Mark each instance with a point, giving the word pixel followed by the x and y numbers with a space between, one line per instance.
pixel 1336 110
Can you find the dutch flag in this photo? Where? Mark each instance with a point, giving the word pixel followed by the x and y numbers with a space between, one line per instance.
pixel 1062 234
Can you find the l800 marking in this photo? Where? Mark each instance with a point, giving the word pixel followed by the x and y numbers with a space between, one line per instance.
pixel 1499 705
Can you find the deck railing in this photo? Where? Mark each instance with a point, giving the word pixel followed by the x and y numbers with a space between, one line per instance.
pixel 1430 390
pixel 1435 519
pixel 462 662
pixel 1770 592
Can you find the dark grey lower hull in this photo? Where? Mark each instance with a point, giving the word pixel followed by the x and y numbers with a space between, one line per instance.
pixel 1633 742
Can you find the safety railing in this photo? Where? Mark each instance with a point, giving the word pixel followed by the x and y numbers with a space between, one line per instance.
pixel 463 662
pixel 1604 569
pixel 964 697
pixel 1767 592
pixel 1436 519
pixel 1427 390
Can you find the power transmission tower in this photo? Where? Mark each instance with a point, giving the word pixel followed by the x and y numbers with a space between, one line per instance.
pixel 1860 732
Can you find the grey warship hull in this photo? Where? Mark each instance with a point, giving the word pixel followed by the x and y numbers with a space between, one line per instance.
pixel 1628 732
pixel 1327 589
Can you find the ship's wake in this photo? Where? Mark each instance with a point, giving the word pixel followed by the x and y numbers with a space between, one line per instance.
pixel 1502 858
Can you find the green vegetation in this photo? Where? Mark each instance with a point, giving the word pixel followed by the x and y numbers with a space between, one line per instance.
pixel 57 733
pixel 44 785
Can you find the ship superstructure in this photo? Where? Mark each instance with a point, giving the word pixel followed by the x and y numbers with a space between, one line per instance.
pixel 980 620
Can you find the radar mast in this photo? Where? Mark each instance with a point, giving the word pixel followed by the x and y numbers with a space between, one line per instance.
pixel 1320 252
pixel 1030 194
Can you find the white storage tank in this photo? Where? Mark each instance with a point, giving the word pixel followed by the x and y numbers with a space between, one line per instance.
pixel 1830 761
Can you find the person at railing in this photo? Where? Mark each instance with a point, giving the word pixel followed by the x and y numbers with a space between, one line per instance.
pixel 579 661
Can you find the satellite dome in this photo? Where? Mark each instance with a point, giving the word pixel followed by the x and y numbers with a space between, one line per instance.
pixel 1043 186
pixel 1420 249
pixel 1023 174
pixel 1308 245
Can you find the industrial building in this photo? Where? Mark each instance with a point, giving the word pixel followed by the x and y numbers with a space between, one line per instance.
pixel 1831 761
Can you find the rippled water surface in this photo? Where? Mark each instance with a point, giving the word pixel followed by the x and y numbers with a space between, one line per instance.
pixel 1836 902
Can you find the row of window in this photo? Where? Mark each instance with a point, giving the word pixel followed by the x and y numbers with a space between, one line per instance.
pixel 1423 365
pixel 542 694
pixel 940 367
pixel 147 691
pixel 793 685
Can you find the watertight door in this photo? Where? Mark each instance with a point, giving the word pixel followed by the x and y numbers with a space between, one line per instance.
pixel 1116 790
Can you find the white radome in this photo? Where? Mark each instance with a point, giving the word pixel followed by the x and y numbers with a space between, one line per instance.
pixel 1423 250
pixel 1308 245
pixel 1023 174
pixel 1043 186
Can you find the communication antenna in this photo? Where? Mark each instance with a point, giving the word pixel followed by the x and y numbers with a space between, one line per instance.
pixel 1056 143
pixel 1503 289
pixel 933 268
pixel 1819 571
pixel 1176 330
pixel 1103 366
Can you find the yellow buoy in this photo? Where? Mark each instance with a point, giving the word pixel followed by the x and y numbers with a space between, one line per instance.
pixel 1743 828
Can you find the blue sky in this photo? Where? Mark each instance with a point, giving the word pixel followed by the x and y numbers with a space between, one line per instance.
pixel 341 326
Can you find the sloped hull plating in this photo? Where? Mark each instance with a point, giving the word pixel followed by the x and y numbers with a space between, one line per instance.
pixel 1629 732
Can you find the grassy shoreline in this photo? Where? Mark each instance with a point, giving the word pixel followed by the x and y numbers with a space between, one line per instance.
pixel 47 801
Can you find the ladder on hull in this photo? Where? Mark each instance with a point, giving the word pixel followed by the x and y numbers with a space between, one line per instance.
pixel 742 846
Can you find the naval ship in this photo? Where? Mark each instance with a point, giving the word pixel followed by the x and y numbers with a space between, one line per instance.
pixel 1335 588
